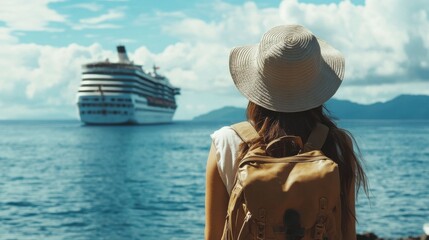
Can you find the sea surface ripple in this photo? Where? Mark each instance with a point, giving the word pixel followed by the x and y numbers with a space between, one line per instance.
pixel 63 180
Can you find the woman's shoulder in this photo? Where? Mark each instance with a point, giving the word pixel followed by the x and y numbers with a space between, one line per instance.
pixel 227 143
pixel 225 135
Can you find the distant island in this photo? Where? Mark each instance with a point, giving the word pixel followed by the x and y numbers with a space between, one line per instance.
pixel 402 107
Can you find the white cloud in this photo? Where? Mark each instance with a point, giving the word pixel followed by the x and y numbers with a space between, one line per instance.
pixel 94 7
pixel 158 18
pixel 99 22
pixel 34 15
pixel 190 66
pixel 36 76
pixel 6 36
pixel 110 15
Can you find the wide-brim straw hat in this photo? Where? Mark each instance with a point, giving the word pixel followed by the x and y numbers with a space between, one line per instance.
pixel 290 70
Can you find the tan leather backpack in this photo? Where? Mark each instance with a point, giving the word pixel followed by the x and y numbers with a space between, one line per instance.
pixel 294 197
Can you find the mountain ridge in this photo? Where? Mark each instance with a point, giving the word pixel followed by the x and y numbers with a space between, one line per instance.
pixel 401 107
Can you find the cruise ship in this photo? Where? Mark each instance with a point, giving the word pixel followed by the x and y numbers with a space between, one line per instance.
pixel 123 93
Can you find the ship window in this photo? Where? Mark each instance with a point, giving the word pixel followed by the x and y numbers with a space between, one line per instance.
pixel 90 112
pixel 125 112
pixel 82 112
pixel 113 99
pixel 120 99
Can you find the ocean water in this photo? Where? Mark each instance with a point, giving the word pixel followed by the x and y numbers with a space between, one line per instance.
pixel 63 180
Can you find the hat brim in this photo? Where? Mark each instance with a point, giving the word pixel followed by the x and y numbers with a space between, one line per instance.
pixel 257 88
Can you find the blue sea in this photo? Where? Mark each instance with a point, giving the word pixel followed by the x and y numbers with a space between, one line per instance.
pixel 64 180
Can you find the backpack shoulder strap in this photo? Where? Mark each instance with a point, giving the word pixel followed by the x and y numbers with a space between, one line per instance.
pixel 245 131
pixel 248 134
pixel 317 138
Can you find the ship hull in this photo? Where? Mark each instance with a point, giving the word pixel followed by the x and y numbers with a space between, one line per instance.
pixel 107 110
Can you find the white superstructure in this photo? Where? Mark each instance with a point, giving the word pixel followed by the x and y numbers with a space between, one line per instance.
pixel 122 93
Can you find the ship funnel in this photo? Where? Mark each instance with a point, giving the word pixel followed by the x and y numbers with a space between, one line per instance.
pixel 122 54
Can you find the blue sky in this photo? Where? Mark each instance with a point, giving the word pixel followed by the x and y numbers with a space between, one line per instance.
pixel 44 43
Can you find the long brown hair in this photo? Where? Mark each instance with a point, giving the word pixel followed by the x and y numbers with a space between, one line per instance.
pixel 338 145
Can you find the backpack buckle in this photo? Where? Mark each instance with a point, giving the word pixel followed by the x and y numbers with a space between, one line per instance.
pixel 319 229
pixel 261 225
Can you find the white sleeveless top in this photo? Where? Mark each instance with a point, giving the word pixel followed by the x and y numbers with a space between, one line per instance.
pixel 227 143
